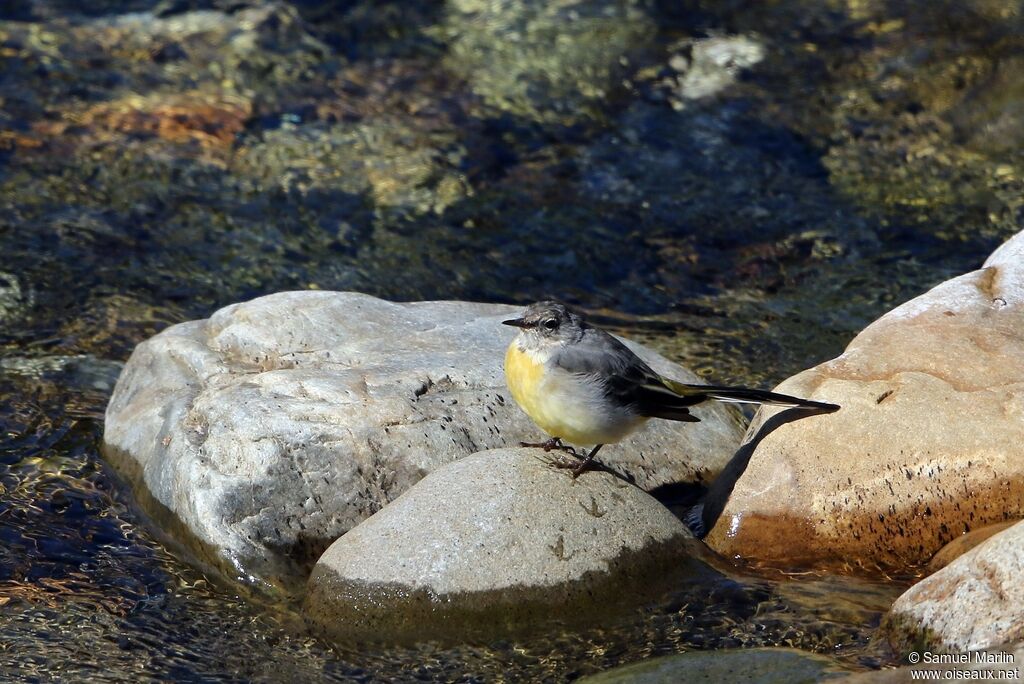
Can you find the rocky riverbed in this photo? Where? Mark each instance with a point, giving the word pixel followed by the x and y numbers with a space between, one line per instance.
pixel 306 420
pixel 742 189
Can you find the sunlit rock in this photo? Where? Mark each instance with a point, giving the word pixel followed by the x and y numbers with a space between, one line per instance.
pixel 975 602
pixel 275 426
pixel 495 541
pixel 926 446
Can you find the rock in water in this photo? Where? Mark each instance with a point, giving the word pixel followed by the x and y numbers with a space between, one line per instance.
pixel 998 666
pixel 964 543
pixel 494 542
pixel 263 434
pixel 736 666
pixel 926 446
pixel 975 602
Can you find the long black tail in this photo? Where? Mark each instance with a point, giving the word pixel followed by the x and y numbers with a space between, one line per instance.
pixel 743 395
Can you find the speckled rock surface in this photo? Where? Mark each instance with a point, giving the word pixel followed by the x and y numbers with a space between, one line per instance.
pixel 927 444
pixel 975 602
pixel 494 541
pixel 269 430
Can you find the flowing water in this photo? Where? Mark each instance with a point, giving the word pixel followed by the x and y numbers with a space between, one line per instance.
pixel 742 185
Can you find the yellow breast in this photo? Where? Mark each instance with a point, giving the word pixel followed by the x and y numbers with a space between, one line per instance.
pixel 524 376
pixel 563 405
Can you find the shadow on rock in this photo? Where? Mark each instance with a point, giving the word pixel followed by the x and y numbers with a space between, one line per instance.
pixel 702 517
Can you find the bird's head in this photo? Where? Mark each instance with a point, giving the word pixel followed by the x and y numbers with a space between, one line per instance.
pixel 548 323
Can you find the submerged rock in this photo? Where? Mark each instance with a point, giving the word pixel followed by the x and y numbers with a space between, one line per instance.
pixel 552 62
pixel 398 167
pixel 926 446
pixel 494 542
pixel 756 665
pixel 269 430
pixel 706 66
pixel 975 602
pixel 12 300
pixel 1001 665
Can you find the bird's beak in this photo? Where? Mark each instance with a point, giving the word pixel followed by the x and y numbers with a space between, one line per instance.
pixel 517 322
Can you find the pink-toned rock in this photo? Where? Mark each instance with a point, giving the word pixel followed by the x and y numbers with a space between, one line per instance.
pixel 927 444
pixel 975 602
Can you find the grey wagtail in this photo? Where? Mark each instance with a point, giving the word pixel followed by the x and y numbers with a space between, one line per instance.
pixel 580 384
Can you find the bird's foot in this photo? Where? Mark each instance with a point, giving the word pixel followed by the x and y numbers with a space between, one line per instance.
pixel 584 465
pixel 553 443
pixel 564 461
pixel 576 464
pixel 581 468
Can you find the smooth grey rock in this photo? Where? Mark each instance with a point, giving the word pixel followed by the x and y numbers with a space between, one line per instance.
pixel 755 665
pixel 975 602
pixel 492 542
pixel 263 434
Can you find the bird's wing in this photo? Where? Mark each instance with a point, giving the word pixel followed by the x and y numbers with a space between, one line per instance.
pixel 626 379
pixel 630 382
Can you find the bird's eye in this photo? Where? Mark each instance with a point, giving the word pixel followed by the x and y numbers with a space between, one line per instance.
pixel 550 324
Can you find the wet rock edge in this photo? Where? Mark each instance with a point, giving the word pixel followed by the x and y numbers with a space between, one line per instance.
pixel 357 611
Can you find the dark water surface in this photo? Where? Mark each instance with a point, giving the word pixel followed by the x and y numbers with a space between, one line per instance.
pixel 742 185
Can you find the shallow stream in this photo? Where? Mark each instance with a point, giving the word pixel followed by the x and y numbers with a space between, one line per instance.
pixel 743 186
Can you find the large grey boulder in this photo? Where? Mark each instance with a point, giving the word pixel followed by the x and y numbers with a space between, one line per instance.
pixel 975 602
pixel 494 542
pixel 263 434
pixel 927 444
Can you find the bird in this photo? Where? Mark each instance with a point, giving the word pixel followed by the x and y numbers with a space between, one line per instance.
pixel 580 384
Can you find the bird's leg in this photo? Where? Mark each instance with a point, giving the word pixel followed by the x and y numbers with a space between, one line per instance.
pixel 586 462
pixel 553 443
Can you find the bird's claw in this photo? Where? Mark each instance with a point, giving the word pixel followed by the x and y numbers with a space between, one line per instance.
pixel 565 462
pixel 577 464
pixel 549 445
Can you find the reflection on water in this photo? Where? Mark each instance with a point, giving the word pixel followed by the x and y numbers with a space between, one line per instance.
pixel 745 213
